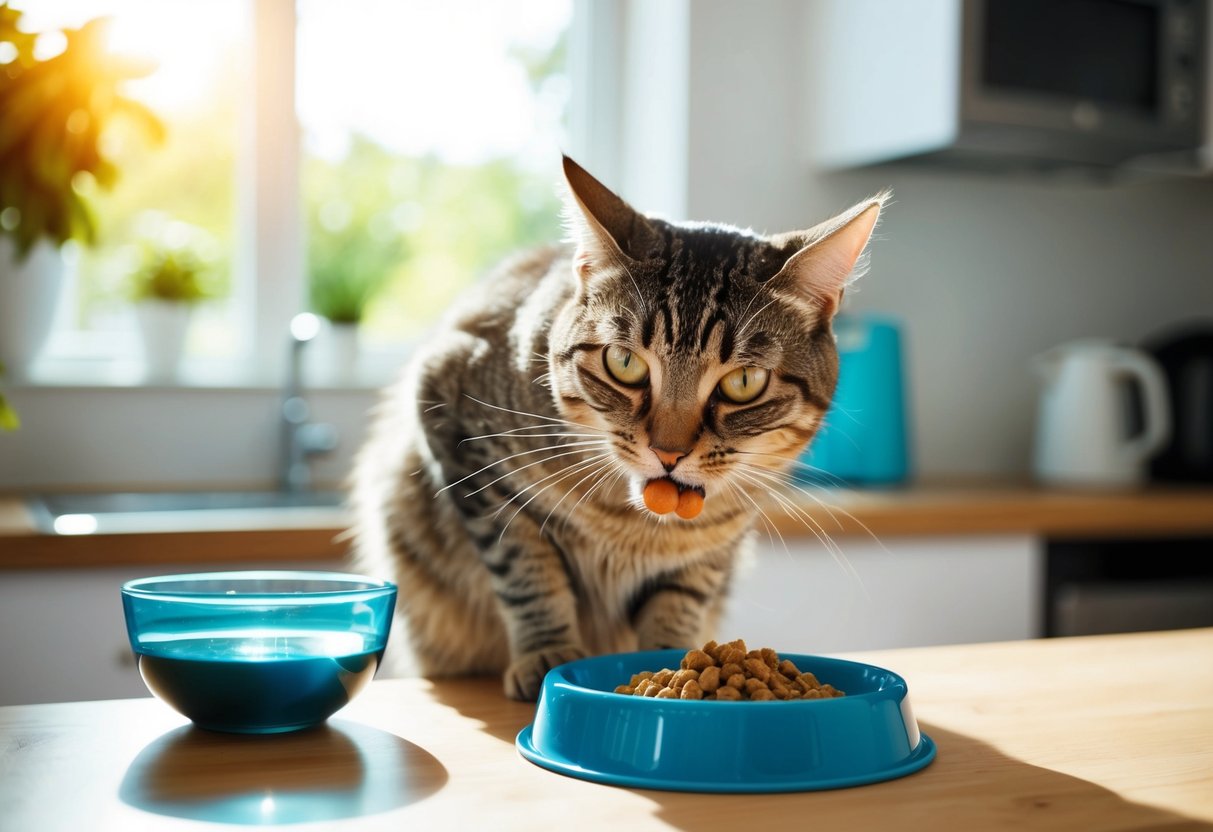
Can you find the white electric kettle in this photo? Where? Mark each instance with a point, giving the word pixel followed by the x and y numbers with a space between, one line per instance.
pixel 1082 430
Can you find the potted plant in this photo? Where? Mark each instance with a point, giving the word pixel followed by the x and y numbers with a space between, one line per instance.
pixel 55 111
pixel 8 416
pixel 166 286
pixel 347 267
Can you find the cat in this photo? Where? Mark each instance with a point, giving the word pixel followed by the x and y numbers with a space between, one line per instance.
pixel 504 480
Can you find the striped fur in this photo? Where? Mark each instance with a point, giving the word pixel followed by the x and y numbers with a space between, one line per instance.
pixel 500 485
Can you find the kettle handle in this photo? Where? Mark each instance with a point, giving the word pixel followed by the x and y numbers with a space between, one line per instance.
pixel 1155 405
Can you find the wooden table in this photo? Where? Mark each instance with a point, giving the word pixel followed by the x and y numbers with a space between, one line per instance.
pixel 1100 733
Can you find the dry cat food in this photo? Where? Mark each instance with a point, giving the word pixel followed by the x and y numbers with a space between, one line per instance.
pixel 730 672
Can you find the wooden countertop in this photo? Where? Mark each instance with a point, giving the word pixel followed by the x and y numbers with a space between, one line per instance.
pixel 923 509
pixel 1097 733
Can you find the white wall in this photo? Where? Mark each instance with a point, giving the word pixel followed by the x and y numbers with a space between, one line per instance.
pixel 189 437
pixel 985 270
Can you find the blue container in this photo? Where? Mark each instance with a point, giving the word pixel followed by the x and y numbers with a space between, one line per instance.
pixel 258 652
pixel 584 729
pixel 864 438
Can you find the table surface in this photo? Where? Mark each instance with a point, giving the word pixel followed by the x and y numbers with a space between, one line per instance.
pixel 1096 733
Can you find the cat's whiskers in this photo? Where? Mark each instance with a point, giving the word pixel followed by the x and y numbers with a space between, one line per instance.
pixel 599 471
pixel 771 527
pixel 832 481
pixel 497 462
pixel 605 481
pixel 562 475
pixel 533 415
pixel 797 512
pixel 517 433
pixel 512 471
pixel 785 480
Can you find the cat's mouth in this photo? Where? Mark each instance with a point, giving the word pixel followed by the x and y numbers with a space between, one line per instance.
pixel 665 495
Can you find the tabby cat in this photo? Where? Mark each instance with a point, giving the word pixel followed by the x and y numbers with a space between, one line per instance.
pixel 503 484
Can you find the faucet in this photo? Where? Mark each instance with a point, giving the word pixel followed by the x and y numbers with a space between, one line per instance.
pixel 300 439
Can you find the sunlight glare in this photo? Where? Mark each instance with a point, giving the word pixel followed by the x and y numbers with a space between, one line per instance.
pixel 427 78
pixel 188 41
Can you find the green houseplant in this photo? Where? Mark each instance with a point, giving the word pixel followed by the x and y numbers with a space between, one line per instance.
pixel 166 285
pixel 55 111
pixel 8 417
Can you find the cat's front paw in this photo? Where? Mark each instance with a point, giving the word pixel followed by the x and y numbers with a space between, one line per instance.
pixel 524 676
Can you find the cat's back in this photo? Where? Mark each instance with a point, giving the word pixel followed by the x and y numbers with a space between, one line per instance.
pixel 523 283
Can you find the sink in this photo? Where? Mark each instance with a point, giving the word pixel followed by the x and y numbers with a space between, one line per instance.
pixel 167 511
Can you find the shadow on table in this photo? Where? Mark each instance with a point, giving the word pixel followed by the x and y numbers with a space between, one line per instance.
pixel 480 698
pixel 970 785
pixel 333 771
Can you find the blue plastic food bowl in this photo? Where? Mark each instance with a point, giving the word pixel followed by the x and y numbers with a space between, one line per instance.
pixel 585 730
pixel 258 652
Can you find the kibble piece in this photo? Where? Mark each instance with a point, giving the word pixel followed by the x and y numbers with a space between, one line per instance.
pixel 629 690
pixel 697 660
pixel 729 693
pixel 736 681
pixel 712 649
pixel 812 694
pixel 787 668
pixel 638 677
pixel 709 679
pixel 691 690
pixel 663 677
pixel 727 670
pixel 761 695
pixel 652 690
pixel 756 668
pixel 667 693
pixel 661 496
pixel 754 685
pixel 681 677
pixel 730 654
pixel 770 657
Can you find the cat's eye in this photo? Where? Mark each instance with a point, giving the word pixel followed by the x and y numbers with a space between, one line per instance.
pixel 743 384
pixel 625 366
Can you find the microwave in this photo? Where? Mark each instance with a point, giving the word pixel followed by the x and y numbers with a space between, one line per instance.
pixel 1088 82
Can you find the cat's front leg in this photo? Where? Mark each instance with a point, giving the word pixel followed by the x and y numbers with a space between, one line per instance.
pixel 679 609
pixel 537 602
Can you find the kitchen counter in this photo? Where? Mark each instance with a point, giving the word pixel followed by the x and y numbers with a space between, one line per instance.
pixel 948 508
pixel 1097 733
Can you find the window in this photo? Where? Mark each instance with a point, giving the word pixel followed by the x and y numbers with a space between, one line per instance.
pixel 430 135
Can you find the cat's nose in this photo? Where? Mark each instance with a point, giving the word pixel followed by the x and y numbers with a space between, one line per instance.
pixel 668 459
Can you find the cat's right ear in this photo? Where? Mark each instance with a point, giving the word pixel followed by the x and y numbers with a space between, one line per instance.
pixel 606 229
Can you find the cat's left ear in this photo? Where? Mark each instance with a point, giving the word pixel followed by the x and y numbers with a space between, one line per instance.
pixel 830 255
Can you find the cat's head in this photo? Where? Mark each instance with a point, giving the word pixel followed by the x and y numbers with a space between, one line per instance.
pixel 703 351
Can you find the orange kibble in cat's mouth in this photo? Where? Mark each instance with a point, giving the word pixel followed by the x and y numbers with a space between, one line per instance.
pixel 664 496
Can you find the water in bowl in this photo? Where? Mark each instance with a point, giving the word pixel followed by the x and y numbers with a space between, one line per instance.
pixel 257 680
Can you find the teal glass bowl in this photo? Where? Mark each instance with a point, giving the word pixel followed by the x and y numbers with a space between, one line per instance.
pixel 585 730
pixel 258 652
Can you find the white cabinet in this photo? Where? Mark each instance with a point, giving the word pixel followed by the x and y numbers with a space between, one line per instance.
pixel 63 637
pixel 900 592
